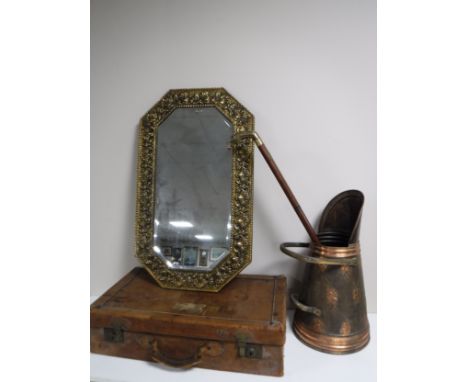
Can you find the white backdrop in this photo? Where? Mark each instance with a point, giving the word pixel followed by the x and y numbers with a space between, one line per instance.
pixel 305 69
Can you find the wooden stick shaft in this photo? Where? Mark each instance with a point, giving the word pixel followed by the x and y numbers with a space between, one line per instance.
pixel 287 190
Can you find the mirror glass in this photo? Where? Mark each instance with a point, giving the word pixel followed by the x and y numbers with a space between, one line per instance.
pixel 192 225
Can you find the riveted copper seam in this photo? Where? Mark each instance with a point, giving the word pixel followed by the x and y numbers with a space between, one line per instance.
pixel 331 344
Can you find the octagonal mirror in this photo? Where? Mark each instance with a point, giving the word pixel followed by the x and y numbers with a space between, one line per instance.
pixel 194 190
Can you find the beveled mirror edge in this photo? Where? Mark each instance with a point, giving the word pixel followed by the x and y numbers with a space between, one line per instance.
pixel 241 195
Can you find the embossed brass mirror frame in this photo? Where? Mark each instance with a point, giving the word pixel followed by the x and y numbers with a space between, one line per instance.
pixel 240 253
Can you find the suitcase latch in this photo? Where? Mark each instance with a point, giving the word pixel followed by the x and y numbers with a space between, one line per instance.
pixel 115 334
pixel 248 350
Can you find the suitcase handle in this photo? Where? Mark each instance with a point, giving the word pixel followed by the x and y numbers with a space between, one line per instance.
pixel 313 259
pixel 182 363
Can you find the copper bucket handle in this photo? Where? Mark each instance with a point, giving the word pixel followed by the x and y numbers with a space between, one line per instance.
pixel 304 307
pixel 313 259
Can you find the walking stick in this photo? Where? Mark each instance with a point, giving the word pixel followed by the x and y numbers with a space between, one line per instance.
pixel 280 178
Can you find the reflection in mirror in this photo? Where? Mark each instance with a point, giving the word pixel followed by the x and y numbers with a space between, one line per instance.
pixel 192 226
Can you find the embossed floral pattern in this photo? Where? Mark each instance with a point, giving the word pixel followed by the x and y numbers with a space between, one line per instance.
pixel 242 183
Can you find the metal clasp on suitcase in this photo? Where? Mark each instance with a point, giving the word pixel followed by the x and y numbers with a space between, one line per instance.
pixel 248 350
pixel 114 334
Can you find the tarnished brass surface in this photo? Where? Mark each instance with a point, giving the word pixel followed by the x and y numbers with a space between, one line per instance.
pixel 253 134
pixel 240 253
pixel 331 312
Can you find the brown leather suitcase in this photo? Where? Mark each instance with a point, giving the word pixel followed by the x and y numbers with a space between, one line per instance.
pixel 241 328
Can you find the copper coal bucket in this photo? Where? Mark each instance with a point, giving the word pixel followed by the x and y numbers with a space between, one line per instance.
pixel 331 312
